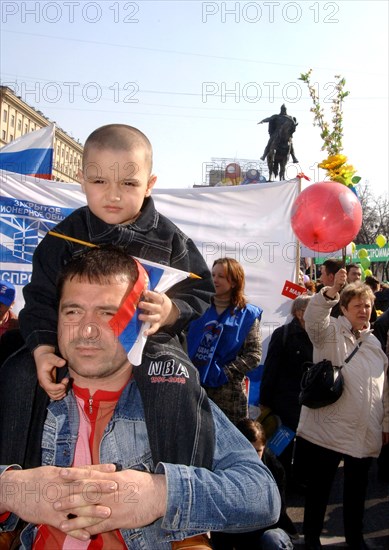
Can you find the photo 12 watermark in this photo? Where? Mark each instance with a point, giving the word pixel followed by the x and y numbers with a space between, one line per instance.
pixel 215 173
pixel 250 252
pixel 52 491
pixel 69 92
pixel 270 12
pixel 70 12
pixel 254 92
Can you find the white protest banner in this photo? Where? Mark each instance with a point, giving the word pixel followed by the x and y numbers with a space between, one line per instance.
pixel 249 223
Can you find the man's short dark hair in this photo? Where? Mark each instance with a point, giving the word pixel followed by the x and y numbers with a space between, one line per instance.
pixel 372 282
pixel 350 266
pixel 98 265
pixel 252 430
pixel 333 266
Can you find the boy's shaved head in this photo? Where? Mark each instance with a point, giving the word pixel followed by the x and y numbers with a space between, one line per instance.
pixel 119 137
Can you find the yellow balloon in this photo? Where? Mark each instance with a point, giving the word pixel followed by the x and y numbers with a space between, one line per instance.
pixel 363 253
pixel 368 273
pixel 380 240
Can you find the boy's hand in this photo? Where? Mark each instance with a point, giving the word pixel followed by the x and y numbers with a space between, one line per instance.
pixel 46 362
pixel 158 310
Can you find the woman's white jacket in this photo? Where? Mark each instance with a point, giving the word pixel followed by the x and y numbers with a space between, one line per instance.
pixel 354 424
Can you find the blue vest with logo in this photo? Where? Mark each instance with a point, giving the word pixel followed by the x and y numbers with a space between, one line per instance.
pixel 214 340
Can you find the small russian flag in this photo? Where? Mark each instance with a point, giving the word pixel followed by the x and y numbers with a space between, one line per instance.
pixel 31 154
pixel 125 323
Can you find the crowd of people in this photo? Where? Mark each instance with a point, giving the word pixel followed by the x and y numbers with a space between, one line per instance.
pixel 339 320
pixel 163 454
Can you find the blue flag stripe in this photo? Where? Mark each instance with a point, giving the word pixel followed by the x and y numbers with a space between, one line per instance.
pixel 154 273
pixel 29 161
pixel 130 334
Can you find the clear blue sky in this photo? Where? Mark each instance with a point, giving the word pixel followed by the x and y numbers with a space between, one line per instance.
pixel 84 63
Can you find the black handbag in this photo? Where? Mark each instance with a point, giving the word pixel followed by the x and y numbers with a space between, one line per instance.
pixel 322 383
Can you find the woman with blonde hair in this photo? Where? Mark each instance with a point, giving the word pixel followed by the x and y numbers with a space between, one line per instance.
pixel 225 342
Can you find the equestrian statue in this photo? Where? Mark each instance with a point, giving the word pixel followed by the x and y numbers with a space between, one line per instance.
pixel 280 144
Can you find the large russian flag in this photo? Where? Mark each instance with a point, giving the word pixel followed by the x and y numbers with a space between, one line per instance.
pixel 129 329
pixel 31 154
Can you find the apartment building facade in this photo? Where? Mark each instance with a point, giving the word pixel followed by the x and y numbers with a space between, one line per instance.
pixel 17 118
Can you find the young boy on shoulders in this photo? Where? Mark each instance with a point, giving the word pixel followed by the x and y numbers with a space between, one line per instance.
pixel 117 180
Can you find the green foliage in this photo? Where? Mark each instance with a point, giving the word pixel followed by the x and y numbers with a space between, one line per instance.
pixel 332 139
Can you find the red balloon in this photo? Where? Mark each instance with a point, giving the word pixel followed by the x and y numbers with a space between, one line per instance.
pixel 326 216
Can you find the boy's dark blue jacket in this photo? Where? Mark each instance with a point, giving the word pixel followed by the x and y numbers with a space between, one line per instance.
pixel 152 236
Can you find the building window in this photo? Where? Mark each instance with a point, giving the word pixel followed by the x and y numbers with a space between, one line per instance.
pixel 4 135
pixel 11 137
pixel 19 125
pixel 12 121
pixel 25 128
pixel 5 113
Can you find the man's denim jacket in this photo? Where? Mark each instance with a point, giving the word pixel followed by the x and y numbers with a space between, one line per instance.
pixel 239 494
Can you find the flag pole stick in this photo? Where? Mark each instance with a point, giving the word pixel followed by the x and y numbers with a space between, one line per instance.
pixel 344 255
pixel 91 245
pixel 298 254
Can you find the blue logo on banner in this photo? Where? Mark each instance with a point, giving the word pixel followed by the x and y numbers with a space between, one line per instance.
pixel 23 224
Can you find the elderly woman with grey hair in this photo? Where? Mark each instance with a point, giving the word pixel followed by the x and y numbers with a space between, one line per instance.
pixel 289 348
pixel 353 428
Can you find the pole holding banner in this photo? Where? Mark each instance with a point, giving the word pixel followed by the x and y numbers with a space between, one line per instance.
pixel 298 254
